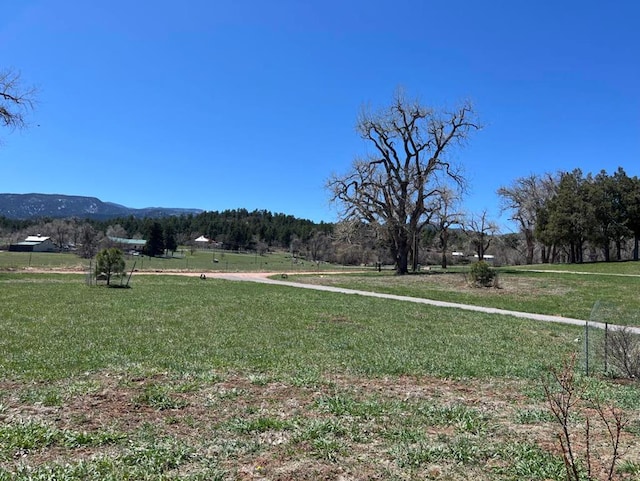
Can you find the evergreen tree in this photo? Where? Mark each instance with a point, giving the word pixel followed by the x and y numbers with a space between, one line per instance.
pixel 170 243
pixel 566 219
pixel 110 262
pixel 155 240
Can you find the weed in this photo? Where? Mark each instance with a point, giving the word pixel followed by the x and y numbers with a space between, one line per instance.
pixel 528 461
pixel 47 396
pixel 533 416
pixel 158 397
pixel 421 454
pixel 306 378
pixel 19 437
pixel 259 379
pixel 629 468
pixel 319 428
pixel 328 448
pixel 462 417
pixel 259 425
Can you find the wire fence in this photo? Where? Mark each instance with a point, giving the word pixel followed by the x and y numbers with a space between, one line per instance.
pixel 610 348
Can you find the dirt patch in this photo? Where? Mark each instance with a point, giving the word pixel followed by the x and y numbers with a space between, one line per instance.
pixel 338 426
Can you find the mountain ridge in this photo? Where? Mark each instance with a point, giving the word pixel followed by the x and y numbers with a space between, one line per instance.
pixel 35 205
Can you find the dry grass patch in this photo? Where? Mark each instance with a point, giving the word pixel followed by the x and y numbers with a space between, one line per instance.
pixel 237 426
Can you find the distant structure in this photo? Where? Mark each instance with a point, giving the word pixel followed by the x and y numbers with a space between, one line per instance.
pixel 34 243
pixel 128 245
pixel 487 258
pixel 203 242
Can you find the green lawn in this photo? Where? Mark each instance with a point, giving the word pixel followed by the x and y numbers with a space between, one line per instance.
pixel 623 267
pixel 182 260
pixel 182 379
pixel 561 294
pixel 56 326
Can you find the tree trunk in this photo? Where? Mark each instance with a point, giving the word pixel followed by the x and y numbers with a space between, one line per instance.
pixel 572 253
pixel 415 253
pixel 402 259
pixel 528 235
pixel 480 247
pixel 636 244
pixel 606 250
pixel 444 242
pixel 529 258
pixel 580 252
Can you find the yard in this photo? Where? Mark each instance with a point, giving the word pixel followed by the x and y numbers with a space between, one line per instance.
pixel 182 379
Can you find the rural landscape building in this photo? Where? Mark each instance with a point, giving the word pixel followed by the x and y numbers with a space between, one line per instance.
pixel 128 244
pixel 34 243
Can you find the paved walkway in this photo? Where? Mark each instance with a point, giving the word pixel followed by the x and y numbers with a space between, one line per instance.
pixel 264 279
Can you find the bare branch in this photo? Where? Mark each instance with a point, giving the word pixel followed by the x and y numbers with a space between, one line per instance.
pixel 15 100
pixel 396 186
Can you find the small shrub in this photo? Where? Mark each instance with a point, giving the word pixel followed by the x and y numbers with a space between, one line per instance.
pixel 482 274
pixel 592 448
pixel 623 351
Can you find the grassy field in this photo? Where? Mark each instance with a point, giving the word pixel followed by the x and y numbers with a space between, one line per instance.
pixel 617 268
pixel 183 260
pixel 183 379
pixel 559 294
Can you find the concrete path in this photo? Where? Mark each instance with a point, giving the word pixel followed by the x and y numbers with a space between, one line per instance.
pixel 264 279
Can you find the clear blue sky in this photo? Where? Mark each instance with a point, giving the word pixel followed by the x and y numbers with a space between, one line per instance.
pixel 223 104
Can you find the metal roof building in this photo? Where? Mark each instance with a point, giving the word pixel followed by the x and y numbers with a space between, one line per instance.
pixel 34 243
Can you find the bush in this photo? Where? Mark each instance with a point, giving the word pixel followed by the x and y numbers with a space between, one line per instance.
pixel 623 352
pixel 482 274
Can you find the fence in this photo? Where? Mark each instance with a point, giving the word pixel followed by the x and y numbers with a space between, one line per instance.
pixel 609 348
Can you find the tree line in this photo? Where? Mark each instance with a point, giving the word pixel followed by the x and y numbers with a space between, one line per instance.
pixel 236 229
pixel 400 200
pixel 572 217
pixel 562 217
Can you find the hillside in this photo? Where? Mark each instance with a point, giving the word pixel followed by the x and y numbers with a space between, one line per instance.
pixel 33 206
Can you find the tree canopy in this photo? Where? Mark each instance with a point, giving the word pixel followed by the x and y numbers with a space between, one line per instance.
pixel 595 211
pixel 397 185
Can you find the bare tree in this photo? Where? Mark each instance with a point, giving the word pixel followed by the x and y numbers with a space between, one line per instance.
pixel 356 242
pixel 117 231
pixel 395 185
pixel 59 230
pixel 524 198
pixel 481 232
pixel 317 245
pixel 446 214
pixel 89 241
pixel 16 100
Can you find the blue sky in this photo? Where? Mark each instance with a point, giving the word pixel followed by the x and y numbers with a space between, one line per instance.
pixel 223 104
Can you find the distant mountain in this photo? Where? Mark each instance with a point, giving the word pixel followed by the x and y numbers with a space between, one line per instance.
pixel 33 206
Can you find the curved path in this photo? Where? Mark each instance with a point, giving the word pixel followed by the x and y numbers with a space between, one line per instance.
pixel 264 278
